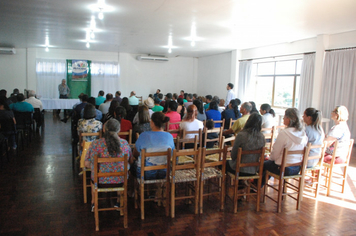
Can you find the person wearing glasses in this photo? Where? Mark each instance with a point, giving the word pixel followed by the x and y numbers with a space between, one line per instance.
pixel 339 132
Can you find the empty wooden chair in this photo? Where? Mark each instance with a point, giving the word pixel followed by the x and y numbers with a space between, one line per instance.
pixel 198 133
pixel 248 180
pixel 141 182
pixel 188 173
pixel 210 170
pixel 209 143
pixel 330 168
pixel 98 188
pixel 284 184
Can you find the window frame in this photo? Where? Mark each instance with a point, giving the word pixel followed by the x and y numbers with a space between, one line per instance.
pixel 274 75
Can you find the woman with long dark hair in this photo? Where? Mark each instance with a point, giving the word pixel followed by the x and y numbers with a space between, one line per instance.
pixel 201 113
pixel 268 115
pixel 126 125
pixel 111 145
pixel 144 120
pixel 110 114
pixel 250 138
pixel 232 112
pixel 213 113
pixel 181 109
pixel 314 131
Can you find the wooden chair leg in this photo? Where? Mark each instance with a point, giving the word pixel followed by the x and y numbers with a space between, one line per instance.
pixel 330 172
pixel 142 200
pixel 125 209
pixel 173 194
pixel 96 210
pixel 85 185
pixel 222 194
pixel 166 198
pixel 258 198
pixel 121 203
pixel 265 188
pixel 201 197
pixel 280 193
pixel 196 198
pixel 136 193
pixel 300 192
pixel 236 186
pixel 317 184
pixel 344 179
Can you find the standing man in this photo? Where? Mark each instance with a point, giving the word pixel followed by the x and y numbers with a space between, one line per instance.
pixel 63 94
pixel 230 94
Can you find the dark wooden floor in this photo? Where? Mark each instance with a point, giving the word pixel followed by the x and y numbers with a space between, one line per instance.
pixel 40 194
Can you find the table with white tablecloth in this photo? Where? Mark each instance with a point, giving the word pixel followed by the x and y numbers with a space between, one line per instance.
pixel 56 103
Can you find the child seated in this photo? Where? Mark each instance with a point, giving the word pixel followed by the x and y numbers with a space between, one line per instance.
pixel 210 126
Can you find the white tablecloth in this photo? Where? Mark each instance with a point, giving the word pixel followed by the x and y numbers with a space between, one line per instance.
pixel 51 104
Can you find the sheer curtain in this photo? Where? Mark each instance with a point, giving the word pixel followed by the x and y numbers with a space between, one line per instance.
pixel 244 89
pixel 104 76
pixel 306 81
pixel 50 73
pixel 339 86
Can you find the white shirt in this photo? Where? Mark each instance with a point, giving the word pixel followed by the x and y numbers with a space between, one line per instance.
pixel 104 107
pixel 36 103
pixel 268 120
pixel 133 101
pixel 230 95
pixel 292 139
pixel 191 126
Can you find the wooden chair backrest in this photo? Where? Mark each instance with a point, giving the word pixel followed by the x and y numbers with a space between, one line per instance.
pixel 166 166
pixel 322 153
pixel 199 133
pixel 85 148
pixel 221 161
pixel 269 137
pixel 196 154
pixel 221 122
pixel 258 163
pixel 82 135
pixel 304 152
pixel 226 140
pixel 214 130
pixel 140 99
pixel 98 174
pixel 347 158
pixel 232 122
pixel 127 133
pixel 180 143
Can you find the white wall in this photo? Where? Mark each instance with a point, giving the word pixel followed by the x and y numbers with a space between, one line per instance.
pixel 214 73
pixel 13 71
pixel 145 77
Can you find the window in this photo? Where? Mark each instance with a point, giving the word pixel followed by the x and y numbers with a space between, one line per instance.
pixel 277 82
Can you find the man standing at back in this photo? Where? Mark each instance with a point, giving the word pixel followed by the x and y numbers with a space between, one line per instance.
pixel 104 107
pixel 230 94
pixel 63 94
pixel 133 100
pixel 100 99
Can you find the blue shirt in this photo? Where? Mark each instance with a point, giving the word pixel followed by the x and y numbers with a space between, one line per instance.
pixel 214 115
pixel 227 114
pixel 22 107
pixel 153 141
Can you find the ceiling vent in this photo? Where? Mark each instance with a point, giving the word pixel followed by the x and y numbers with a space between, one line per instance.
pixel 9 51
pixel 151 58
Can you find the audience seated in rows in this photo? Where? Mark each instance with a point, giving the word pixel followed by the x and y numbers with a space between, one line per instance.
pixel 189 100
pixel 99 114
pixel 231 112
pixel 144 117
pixel 157 107
pixel 89 124
pixel 201 113
pixel 181 109
pixel 240 123
pixel 213 113
pixel 173 115
pixel 113 105
pixel 149 103
pixel 36 103
pixel 3 93
pixel 21 105
pixel 100 99
pixel 190 121
pixel 267 116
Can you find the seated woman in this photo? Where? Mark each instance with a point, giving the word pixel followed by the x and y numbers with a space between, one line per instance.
pixel 201 113
pixel 231 112
pixel 109 146
pixel 190 122
pixel 120 115
pixel 143 121
pixel 339 132
pixel 250 138
pixel 213 113
pixel 89 124
pixel 314 131
pixel 181 109
pixel 173 115
pixel 110 114
pixel 292 137
pixel 268 115
pixel 155 140
pixel 254 109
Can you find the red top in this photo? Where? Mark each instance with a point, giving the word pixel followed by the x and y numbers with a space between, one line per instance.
pixel 173 117
pixel 125 127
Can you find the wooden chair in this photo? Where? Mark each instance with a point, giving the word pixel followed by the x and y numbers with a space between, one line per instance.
pixel 97 188
pixel 8 129
pixel 217 140
pixel 277 129
pixel 210 162
pixel 269 137
pixel 140 183
pixel 129 134
pixel 140 99
pixel 172 129
pixel 199 133
pixel 228 141
pixel 83 148
pixel 248 180
pixel 221 122
pixel 329 172
pixel 283 184
pixel 186 173
pixel 231 122
pixel 24 122
pixel 315 172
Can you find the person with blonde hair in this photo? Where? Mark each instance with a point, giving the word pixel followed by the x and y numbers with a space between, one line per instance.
pixel 339 132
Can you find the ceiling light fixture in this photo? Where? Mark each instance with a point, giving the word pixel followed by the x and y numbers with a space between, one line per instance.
pixel 101 5
pixel 46 49
pixel 193 34
pixel 46 44
pixel 92 35
pixel 170 44
pixel 101 14
pixel 92 23
pixel 88 45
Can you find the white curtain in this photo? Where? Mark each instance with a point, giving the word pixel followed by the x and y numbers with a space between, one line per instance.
pixel 50 73
pixel 339 84
pixel 244 89
pixel 104 76
pixel 306 82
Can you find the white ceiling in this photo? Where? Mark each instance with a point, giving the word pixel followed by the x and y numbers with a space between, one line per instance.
pixel 143 26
